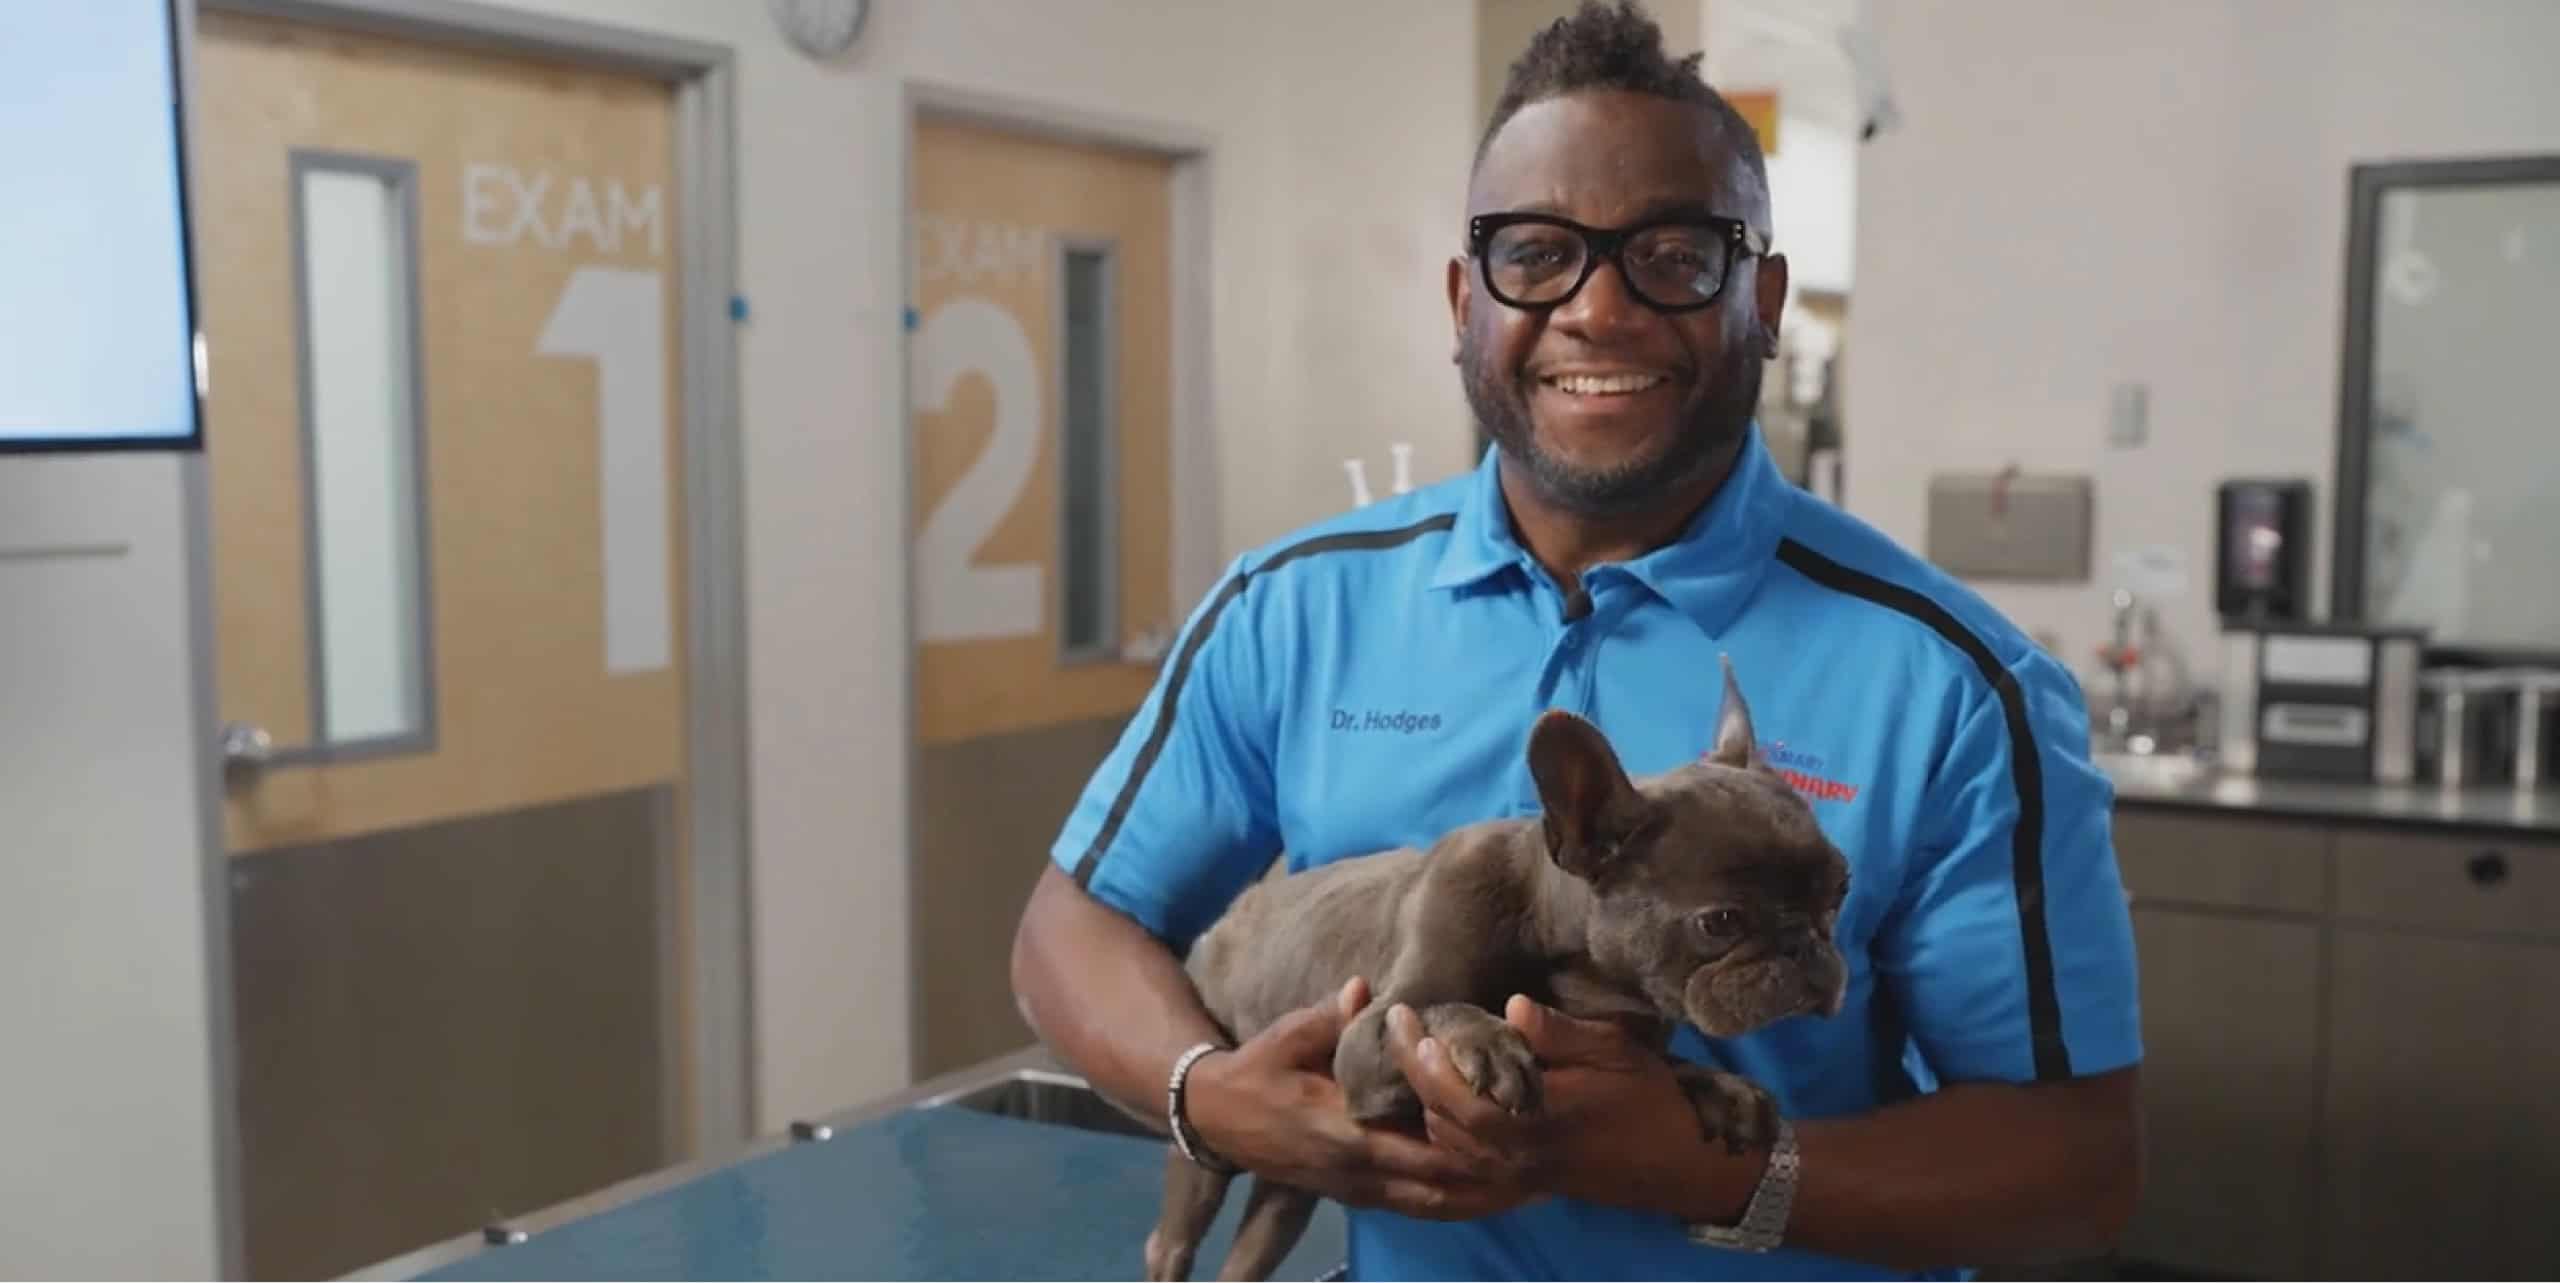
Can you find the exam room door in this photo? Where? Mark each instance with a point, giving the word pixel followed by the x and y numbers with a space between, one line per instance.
pixel 438 298
pixel 1041 388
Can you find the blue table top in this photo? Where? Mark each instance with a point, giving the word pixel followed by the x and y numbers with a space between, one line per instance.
pixel 938 1193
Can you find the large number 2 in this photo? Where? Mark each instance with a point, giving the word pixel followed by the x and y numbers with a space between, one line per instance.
pixel 956 601
pixel 616 316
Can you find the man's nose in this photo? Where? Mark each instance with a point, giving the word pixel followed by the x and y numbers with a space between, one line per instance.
pixel 1604 307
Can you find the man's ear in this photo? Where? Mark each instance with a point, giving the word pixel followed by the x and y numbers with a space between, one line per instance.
pixel 1736 744
pixel 1460 286
pixel 1771 303
pixel 1592 808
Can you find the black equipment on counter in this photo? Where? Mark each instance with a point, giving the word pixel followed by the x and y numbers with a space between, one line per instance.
pixel 2332 700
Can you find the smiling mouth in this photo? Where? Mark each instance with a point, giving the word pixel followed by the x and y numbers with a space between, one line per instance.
pixel 1603 384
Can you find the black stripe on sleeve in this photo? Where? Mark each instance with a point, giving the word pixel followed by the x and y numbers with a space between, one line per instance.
pixel 1162 730
pixel 2044 1005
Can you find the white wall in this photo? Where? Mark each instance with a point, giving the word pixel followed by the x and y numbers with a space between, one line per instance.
pixel 107 1088
pixel 1341 132
pixel 1333 237
pixel 1792 47
pixel 1813 199
pixel 2148 190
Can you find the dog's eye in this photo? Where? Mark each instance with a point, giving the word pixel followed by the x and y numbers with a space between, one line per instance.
pixel 1718 924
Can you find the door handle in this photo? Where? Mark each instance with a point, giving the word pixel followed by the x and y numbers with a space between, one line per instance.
pixel 1147 648
pixel 246 747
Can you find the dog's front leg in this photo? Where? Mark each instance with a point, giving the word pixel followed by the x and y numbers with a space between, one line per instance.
pixel 1730 1108
pixel 1491 1055
pixel 1366 1069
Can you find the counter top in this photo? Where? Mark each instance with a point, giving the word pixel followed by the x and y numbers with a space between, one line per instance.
pixel 914 1187
pixel 2502 809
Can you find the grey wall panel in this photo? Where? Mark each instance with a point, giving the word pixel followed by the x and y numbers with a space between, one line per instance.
pixel 986 811
pixel 444 1025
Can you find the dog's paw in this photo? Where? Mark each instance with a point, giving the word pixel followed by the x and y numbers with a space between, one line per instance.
pixel 1730 1108
pixel 1387 1100
pixel 1495 1059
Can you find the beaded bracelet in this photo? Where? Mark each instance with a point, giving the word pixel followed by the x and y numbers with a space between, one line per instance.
pixel 1191 1146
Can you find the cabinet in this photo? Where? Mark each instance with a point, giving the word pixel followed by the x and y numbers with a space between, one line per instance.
pixel 2230 1090
pixel 2442 1122
pixel 2226 919
pixel 2352 1048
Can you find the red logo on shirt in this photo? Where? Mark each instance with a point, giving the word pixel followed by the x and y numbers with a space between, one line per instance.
pixel 1803 770
pixel 1819 789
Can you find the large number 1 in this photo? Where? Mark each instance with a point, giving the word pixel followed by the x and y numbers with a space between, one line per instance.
pixel 956 601
pixel 617 317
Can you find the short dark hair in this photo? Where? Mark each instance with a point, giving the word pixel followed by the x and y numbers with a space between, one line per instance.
pixel 1600 47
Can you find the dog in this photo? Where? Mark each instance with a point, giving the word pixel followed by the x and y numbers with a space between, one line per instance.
pixel 1706 894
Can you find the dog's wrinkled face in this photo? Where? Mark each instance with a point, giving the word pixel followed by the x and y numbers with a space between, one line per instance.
pixel 1717 891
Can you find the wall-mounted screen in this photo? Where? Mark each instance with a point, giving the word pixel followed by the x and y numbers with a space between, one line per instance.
pixel 97 326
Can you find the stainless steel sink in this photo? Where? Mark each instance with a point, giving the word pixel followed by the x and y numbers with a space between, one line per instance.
pixel 1046 1096
pixel 2156 770
pixel 1041 1093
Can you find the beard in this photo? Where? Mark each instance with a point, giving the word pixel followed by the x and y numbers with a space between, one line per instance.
pixel 1711 425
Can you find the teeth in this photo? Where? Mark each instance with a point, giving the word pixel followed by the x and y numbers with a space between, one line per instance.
pixel 1606 384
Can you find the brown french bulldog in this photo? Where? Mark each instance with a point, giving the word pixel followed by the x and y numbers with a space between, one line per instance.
pixel 1705 894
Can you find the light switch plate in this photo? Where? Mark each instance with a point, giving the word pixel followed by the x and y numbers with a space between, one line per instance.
pixel 2128 415
pixel 2011 526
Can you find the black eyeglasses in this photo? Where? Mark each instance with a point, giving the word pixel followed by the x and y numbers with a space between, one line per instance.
pixel 1677 263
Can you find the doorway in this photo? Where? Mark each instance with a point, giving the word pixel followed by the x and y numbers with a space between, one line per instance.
pixel 472 520
pixel 1044 432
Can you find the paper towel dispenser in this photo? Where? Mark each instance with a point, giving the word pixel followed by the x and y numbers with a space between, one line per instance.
pixel 2011 525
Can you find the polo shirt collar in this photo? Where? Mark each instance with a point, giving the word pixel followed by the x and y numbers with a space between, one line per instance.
pixel 1480 545
pixel 1707 573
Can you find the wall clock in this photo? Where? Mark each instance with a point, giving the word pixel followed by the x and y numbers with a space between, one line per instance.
pixel 819 28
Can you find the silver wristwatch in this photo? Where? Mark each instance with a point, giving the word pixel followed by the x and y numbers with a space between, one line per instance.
pixel 1764 1220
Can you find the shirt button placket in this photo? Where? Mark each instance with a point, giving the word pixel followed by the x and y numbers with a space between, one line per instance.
pixel 1593 628
pixel 1561 685
pixel 1571 666
pixel 1583 644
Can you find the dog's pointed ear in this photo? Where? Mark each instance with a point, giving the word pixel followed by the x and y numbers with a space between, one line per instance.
pixel 1736 744
pixel 1592 809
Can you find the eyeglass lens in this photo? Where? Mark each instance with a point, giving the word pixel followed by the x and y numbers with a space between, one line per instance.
pixel 1675 265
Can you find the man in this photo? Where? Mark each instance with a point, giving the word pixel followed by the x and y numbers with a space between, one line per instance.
pixel 1369 684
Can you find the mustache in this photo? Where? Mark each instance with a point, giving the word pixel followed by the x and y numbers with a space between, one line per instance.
pixel 1715 416
pixel 1731 383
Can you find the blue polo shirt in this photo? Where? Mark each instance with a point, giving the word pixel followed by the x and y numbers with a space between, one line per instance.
pixel 1370 682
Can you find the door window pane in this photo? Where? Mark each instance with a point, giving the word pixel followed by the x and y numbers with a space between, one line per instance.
pixel 357 259
pixel 1088 552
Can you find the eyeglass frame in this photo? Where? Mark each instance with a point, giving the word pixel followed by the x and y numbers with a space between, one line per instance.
pixel 1610 243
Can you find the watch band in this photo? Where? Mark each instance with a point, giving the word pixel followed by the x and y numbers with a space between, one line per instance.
pixel 1183 1136
pixel 1764 1219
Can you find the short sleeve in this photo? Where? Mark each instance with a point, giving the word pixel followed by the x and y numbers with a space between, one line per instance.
pixel 1180 817
pixel 2011 947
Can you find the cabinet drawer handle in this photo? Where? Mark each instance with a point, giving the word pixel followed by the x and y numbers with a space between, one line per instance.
pixel 2488 869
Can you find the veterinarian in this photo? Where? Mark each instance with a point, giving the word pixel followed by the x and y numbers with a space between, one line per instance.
pixel 1369 683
